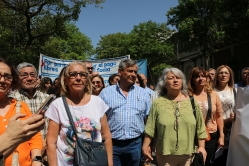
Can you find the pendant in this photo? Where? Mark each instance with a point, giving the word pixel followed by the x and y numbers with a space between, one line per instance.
pixel 79 129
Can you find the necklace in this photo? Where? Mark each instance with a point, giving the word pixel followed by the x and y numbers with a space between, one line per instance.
pixel 176 123
pixel 78 128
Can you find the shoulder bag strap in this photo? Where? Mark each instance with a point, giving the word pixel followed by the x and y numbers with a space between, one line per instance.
pixel 194 112
pixel 208 117
pixel 69 114
pixel 234 94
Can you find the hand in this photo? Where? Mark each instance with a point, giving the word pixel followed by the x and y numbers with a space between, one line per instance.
pixel 203 151
pixel 221 140
pixel 147 154
pixel 232 116
pixel 22 130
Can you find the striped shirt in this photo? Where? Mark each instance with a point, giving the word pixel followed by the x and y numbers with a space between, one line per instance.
pixel 126 114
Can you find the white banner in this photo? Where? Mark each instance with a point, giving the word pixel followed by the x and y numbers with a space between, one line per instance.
pixel 51 67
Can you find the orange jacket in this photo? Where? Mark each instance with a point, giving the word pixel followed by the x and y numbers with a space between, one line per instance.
pixel 25 148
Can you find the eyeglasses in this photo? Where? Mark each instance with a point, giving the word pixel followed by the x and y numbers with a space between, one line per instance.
pixel 26 75
pixel 75 74
pixel 90 68
pixel 6 77
pixel 225 73
pixel 97 82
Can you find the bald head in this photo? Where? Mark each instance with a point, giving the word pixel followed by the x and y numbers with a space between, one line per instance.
pixel 144 79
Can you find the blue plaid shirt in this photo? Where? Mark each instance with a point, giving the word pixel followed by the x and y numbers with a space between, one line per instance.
pixel 126 114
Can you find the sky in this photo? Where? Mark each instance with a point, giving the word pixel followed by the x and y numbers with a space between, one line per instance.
pixel 121 16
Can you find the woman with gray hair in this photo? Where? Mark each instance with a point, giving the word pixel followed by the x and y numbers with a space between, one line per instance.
pixel 172 124
pixel 88 113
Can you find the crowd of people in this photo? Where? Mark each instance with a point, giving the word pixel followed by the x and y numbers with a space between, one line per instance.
pixel 131 119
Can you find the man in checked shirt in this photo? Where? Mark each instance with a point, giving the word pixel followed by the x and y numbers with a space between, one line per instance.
pixel 27 91
pixel 129 106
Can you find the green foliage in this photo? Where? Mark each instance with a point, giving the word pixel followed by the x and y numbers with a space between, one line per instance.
pixel 72 45
pixel 113 45
pixel 157 70
pixel 27 26
pixel 143 42
pixel 202 24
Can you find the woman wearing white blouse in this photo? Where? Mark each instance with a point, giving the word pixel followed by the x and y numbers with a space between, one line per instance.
pixel 224 85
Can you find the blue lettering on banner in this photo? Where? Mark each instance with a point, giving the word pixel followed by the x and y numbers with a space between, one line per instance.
pixel 110 64
pixel 103 70
pixel 50 68
pixel 47 62
pixel 59 65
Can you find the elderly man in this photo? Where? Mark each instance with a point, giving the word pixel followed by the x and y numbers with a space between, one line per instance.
pixel 129 106
pixel 211 73
pixel 144 78
pixel 27 92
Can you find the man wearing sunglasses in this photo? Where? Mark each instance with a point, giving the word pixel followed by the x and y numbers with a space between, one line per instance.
pixel 90 68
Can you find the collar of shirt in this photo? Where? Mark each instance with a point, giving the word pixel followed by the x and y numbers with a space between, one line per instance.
pixel 120 90
pixel 21 91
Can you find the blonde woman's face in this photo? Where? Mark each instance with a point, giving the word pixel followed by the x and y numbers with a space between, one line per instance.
pixel 224 75
pixel 77 78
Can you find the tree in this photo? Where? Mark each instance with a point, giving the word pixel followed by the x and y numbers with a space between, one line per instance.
pixel 73 45
pixel 146 43
pixel 198 27
pixel 143 42
pixel 113 45
pixel 33 22
pixel 202 24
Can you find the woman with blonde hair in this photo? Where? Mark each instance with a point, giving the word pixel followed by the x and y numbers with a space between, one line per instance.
pixel 172 124
pixel 224 86
pixel 211 107
pixel 88 112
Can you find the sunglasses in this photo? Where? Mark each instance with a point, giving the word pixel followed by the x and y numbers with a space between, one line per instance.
pixel 96 82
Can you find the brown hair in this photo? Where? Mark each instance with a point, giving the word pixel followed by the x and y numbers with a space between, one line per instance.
pixel 14 83
pixel 194 74
pixel 231 79
pixel 101 78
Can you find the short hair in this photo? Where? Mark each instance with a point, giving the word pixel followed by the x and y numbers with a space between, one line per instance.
pixel 160 87
pixel 65 74
pixel 231 79
pixel 211 69
pixel 14 83
pixel 126 63
pixel 23 65
pixel 246 68
pixel 111 78
pixel 195 72
pixel 44 81
pixel 141 82
pixel 101 78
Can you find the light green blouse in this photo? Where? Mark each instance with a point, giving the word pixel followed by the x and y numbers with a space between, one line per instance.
pixel 161 126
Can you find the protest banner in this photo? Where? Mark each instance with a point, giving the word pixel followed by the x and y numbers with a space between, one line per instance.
pixel 51 67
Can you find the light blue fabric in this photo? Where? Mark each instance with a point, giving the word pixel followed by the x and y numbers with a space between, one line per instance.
pixel 149 91
pixel 126 114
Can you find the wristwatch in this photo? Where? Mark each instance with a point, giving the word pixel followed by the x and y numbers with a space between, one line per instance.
pixel 37 158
